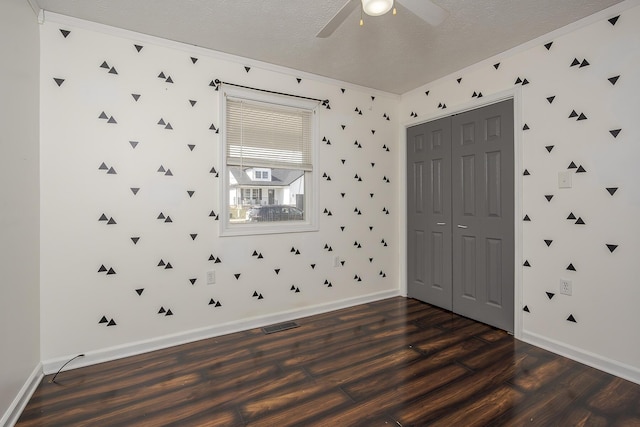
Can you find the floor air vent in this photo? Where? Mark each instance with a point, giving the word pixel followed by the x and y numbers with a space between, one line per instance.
pixel 279 327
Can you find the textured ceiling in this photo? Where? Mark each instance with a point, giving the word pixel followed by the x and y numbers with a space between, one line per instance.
pixel 390 53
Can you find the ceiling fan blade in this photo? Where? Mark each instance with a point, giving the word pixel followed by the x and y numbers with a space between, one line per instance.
pixel 338 19
pixel 426 10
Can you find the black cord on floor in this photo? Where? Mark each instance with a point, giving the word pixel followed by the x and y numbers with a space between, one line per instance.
pixel 53 380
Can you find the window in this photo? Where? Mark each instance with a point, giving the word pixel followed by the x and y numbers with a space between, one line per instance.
pixel 269 150
pixel 261 174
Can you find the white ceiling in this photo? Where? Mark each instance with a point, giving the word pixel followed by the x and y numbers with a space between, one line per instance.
pixel 390 53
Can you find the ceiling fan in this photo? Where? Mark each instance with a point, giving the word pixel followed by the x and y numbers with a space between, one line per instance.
pixel 426 10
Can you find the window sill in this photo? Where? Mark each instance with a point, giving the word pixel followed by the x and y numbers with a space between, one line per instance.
pixel 258 229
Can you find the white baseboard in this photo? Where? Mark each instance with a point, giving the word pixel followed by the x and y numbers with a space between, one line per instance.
pixel 14 411
pixel 132 349
pixel 590 359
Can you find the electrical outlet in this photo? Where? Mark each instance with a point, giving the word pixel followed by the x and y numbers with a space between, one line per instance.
pixel 211 277
pixel 565 287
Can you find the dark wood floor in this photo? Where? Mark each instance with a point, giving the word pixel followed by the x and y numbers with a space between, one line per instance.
pixel 397 362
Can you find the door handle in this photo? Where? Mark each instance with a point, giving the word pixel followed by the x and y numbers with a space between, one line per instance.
pixel 462 226
pixel 441 223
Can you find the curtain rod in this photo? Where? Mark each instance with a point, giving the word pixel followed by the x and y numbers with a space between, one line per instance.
pixel 324 102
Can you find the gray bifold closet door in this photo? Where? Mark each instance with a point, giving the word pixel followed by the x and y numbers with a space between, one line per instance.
pixel 460 213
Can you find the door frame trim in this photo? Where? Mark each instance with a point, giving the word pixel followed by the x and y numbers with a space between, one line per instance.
pixel 515 94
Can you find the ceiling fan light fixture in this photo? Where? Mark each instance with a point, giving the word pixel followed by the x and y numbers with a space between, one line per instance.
pixel 376 7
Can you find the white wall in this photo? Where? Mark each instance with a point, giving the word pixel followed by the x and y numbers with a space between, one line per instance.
pixel 605 284
pixel 76 192
pixel 19 196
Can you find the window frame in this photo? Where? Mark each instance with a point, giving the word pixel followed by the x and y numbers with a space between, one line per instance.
pixel 311 195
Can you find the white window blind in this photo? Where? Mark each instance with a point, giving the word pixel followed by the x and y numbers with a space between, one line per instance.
pixel 260 134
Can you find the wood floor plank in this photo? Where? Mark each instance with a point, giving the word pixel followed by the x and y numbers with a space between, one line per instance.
pixel 205 398
pixel 618 395
pixel 446 339
pixel 306 411
pixel 448 399
pixel 480 412
pixel 396 361
pixel 391 396
pixel 260 408
pixel 555 399
pixel 372 367
pixel 357 353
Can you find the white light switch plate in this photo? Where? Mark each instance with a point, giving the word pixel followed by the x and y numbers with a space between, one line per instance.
pixel 211 277
pixel 564 179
